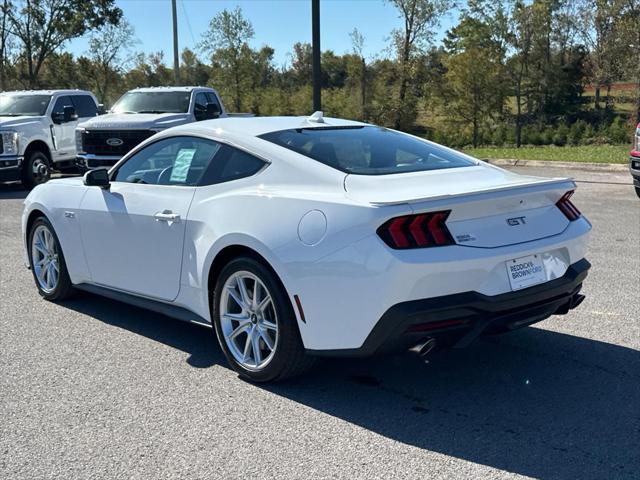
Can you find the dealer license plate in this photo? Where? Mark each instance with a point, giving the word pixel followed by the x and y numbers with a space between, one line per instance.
pixel 525 271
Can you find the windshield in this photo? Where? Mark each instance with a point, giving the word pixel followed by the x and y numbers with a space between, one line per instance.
pixel 153 102
pixel 368 150
pixel 27 105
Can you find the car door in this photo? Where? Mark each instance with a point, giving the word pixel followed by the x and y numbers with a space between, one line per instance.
pixel 64 133
pixel 86 109
pixel 133 232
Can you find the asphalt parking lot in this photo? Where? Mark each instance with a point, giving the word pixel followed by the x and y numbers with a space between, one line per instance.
pixel 96 389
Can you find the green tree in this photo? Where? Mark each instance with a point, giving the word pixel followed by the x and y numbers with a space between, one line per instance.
pixel 192 70
pixel 5 42
pixel 109 52
pixel 301 63
pixel 357 44
pixel 629 41
pixel 474 83
pixel 43 26
pixel 599 31
pixel 420 20
pixel 226 41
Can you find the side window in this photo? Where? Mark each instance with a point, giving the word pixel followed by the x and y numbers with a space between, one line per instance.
pixel 172 161
pixel 211 98
pixel 231 164
pixel 200 106
pixel 62 102
pixel 85 106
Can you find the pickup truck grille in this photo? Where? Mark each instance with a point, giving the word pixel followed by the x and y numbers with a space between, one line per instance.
pixel 112 142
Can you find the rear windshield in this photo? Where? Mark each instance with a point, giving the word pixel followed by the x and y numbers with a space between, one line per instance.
pixel 367 150
pixel 153 102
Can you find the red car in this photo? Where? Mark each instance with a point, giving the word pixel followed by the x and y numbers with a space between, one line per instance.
pixel 634 161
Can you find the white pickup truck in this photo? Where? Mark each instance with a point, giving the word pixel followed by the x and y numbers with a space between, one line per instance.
pixel 139 114
pixel 37 132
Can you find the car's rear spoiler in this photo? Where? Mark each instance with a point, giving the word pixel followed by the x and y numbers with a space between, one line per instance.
pixel 529 187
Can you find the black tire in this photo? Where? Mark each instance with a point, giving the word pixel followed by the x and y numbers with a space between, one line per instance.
pixel 289 358
pixel 638 191
pixel 35 169
pixel 64 288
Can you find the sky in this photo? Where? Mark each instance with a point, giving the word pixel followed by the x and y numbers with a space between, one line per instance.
pixel 278 23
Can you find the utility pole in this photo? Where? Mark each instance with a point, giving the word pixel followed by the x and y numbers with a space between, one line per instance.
pixel 176 60
pixel 315 33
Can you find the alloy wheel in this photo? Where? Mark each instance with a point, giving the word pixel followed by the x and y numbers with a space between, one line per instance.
pixel 249 320
pixel 45 259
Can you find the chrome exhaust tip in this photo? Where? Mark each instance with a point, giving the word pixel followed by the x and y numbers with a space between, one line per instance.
pixel 423 349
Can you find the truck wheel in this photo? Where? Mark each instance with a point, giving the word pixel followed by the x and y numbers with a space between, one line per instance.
pixel 35 169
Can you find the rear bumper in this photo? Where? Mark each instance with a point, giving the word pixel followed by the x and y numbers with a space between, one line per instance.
pixel 89 161
pixel 10 168
pixel 458 319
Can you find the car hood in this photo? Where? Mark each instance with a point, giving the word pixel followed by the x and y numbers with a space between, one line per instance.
pixel 9 122
pixel 137 121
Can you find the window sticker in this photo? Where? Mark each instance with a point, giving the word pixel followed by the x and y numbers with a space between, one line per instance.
pixel 182 164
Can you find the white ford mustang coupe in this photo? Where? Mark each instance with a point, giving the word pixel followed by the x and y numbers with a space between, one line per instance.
pixel 297 237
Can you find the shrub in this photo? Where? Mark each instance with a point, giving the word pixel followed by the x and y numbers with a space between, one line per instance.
pixel 498 136
pixel 589 135
pixel 560 136
pixel 576 132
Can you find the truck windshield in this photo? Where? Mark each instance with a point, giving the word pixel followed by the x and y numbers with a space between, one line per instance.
pixel 27 105
pixel 153 102
pixel 368 150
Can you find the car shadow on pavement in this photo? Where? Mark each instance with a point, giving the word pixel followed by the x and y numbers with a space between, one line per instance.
pixel 193 339
pixel 534 402
pixel 12 191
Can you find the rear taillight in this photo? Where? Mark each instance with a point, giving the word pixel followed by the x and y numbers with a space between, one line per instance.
pixel 417 231
pixel 569 209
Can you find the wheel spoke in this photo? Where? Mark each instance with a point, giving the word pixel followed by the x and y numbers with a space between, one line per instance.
pixel 267 339
pixel 233 294
pixel 264 303
pixel 257 354
pixel 269 325
pixel 40 247
pixel 247 347
pixel 243 327
pixel 40 273
pixel 256 293
pixel 236 317
pixel 45 276
pixel 242 287
pixel 47 241
pixel 53 275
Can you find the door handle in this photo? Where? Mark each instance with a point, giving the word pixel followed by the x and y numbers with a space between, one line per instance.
pixel 167 216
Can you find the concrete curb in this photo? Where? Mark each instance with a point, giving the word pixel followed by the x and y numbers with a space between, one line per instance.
pixel 594 167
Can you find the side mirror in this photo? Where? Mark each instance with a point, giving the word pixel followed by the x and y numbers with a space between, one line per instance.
pixel 70 114
pixel 57 117
pixel 97 178
pixel 101 110
pixel 213 110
